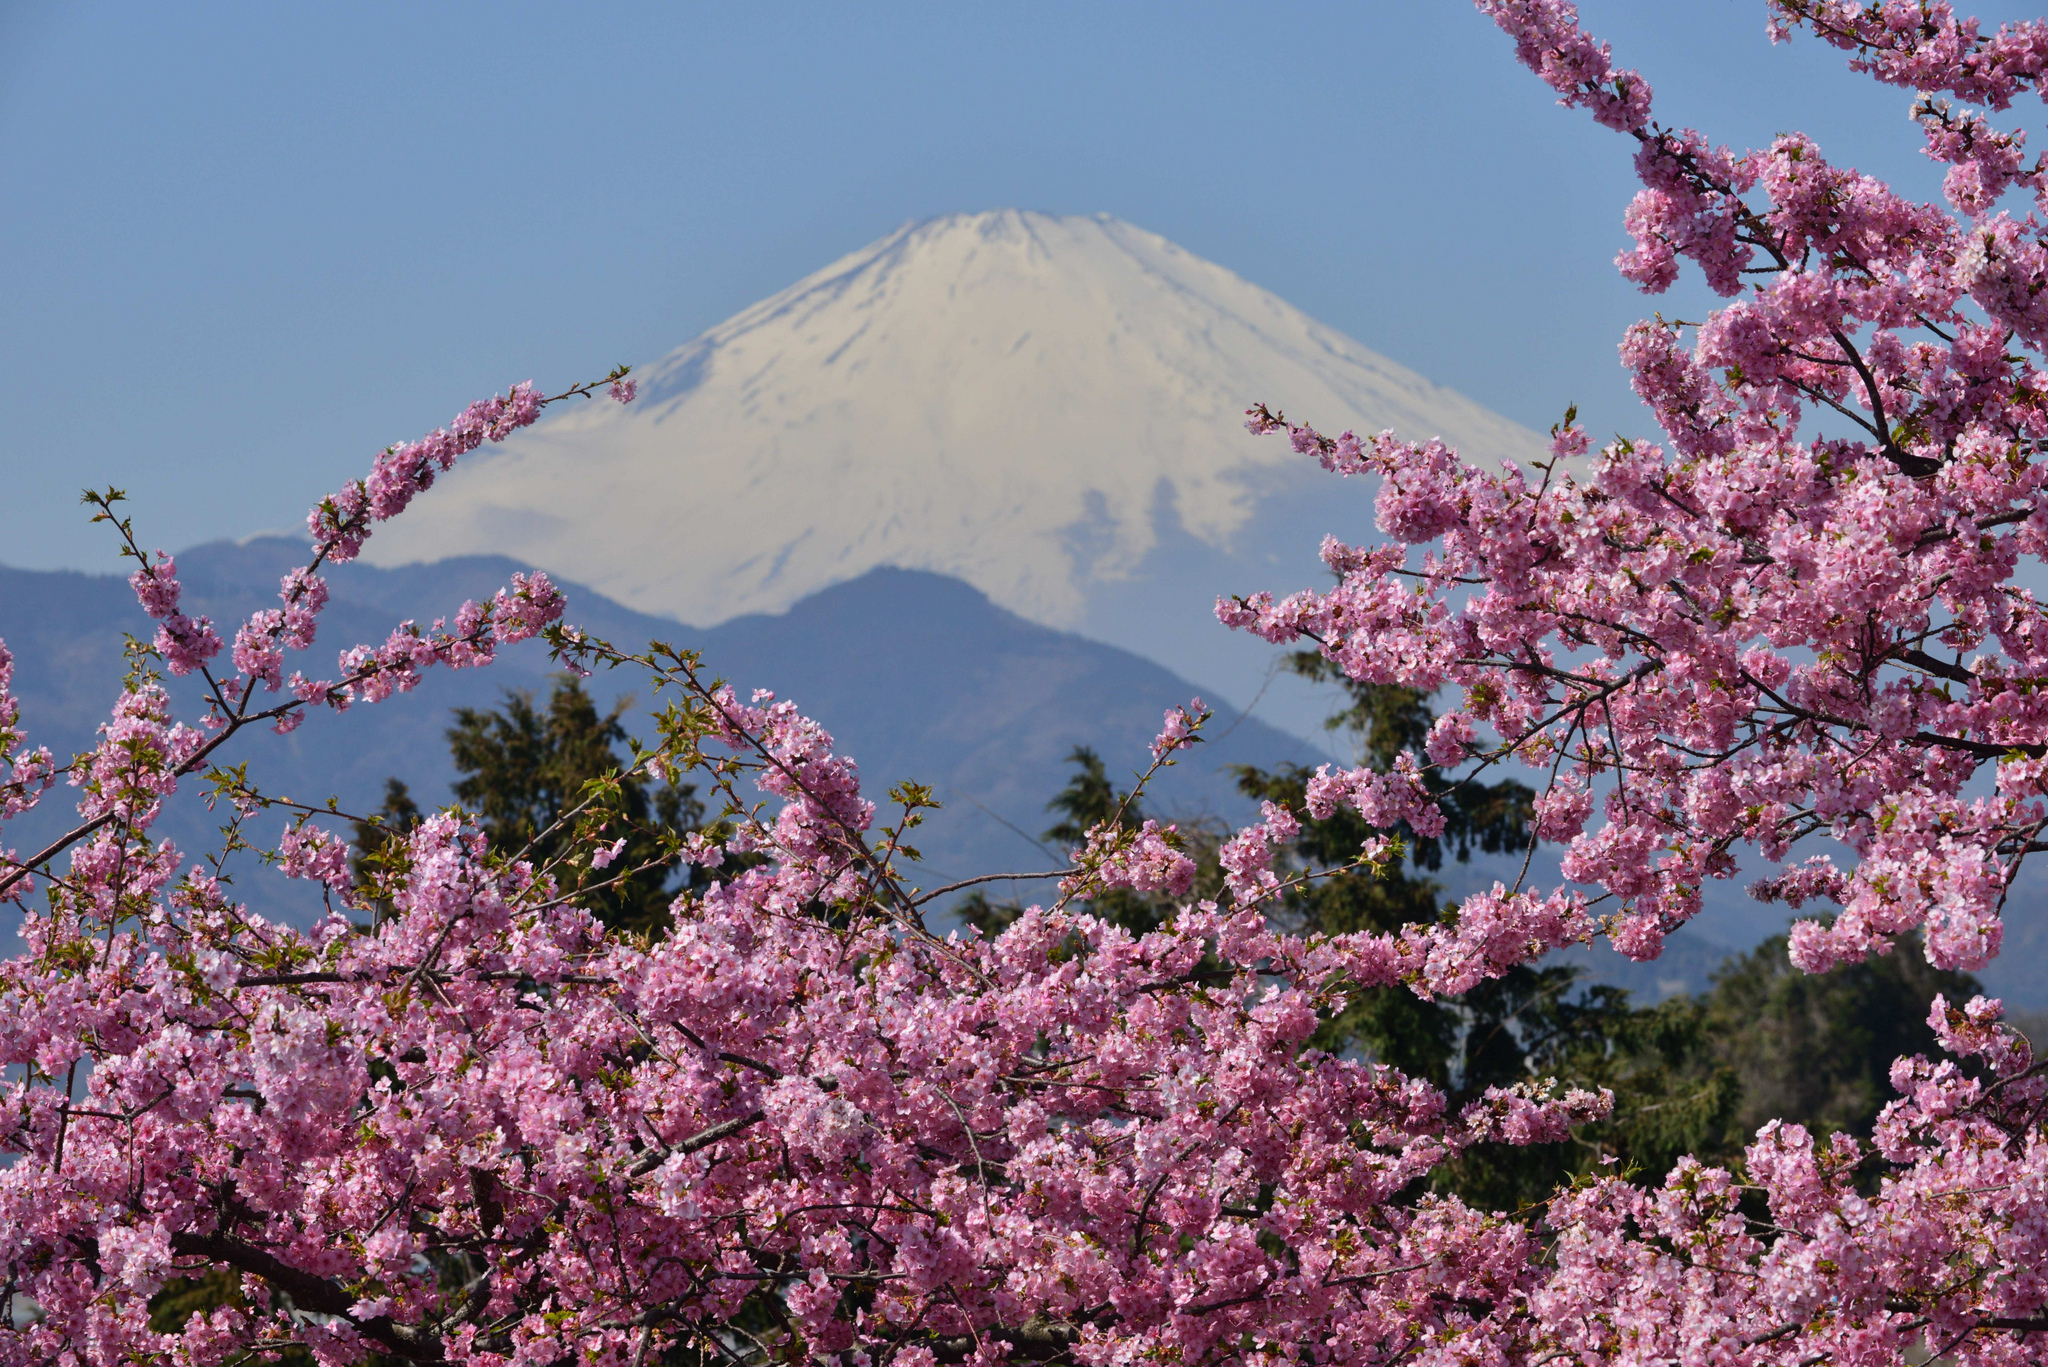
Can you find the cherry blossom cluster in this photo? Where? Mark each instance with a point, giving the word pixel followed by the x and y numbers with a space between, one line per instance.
pixel 1144 860
pixel 24 773
pixel 373 673
pixel 1944 1261
pixel 1177 732
pixel 341 522
pixel 822 820
pixel 1745 635
pixel 185 643
pixel 1922 45
pixel 143 753
pixel 485 1131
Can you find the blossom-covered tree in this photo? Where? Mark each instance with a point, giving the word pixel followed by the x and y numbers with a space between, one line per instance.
pixel 1796 620
pixel 800 1124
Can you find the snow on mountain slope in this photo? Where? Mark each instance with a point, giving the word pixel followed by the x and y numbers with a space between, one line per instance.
pixel 1031 403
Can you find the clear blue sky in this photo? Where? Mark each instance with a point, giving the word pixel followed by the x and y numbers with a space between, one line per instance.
pixel 243 247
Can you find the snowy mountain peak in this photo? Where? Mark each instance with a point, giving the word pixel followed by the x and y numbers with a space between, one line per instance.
pixel 1022 400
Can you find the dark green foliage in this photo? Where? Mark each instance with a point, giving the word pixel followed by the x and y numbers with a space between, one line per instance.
pixel 1437 1040
pixel 1532 1022
pixel 1692 1075
pixel 1088 801
pixel 986 914
pixel 1384 720
pixel 377 840
pixel 1671 1096
pixel 172 1308
pixel 1817 1048
pixel 533 776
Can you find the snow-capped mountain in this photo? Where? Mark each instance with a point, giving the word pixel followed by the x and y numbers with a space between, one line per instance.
pixel 1049 408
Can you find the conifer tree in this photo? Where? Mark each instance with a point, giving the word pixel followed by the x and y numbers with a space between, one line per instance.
pixel 531 773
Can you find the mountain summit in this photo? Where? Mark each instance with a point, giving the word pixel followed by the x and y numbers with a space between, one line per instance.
pixel 1039 405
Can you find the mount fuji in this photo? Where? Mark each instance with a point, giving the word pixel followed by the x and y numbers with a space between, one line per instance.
pixel 1049 408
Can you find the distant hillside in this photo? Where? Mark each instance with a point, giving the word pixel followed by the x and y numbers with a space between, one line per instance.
pixel 917 675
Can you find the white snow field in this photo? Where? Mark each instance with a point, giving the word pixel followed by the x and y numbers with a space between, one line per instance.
pixel 1050 408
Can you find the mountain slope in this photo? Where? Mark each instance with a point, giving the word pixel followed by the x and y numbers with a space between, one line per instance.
pixel 1037 405
pixel 917 676
pixel 920 676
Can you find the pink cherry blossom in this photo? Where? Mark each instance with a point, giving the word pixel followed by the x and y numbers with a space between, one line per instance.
pixel 1178 730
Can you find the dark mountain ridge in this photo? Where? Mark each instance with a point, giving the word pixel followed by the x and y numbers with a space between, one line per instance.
pixel 917 676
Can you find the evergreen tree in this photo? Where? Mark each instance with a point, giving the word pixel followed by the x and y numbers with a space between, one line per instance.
pixel 1091 798
pixel 1817 1048
pixel 1694 1074
pixel 531 775
pixel 1674 1093
pixel 1534 1021
pixel 1690 1075
pixel 379 841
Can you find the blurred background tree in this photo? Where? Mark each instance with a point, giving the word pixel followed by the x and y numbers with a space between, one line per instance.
pixel 1818 1048
pixel 530 772
pixel 1090 799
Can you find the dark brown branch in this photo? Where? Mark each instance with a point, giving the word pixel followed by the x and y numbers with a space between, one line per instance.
pixel 992 878
pixel 767 1070
pixel 703 1139
pixel 1036 1340
pixel 1980 748
pixel 309 1292
pixel 1920 659
pixel 493 975
pixel 1257 1295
